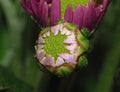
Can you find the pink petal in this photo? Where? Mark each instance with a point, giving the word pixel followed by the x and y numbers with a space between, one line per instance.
pixel 40 55
pixel 40 47
pixel 70 39
pixel 41 40
pixel 59 61
pixel 68 58
pixel 49 61
pixel 56 29
pixel 71 47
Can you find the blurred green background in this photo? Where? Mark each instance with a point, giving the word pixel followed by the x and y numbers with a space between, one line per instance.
pixel 19 71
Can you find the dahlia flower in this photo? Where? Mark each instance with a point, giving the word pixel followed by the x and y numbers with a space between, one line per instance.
pixel 65 26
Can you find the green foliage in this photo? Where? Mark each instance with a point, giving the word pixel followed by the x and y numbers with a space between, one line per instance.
pixel 9 81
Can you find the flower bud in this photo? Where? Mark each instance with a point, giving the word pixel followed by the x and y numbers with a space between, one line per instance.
pixel 60 48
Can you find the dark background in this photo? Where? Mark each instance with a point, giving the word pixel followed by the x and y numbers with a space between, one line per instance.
pixel 19 71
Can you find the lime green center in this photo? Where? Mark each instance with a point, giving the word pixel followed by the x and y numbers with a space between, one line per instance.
pixel 65 3
pixel 54 44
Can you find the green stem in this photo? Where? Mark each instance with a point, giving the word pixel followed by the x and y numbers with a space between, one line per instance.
pixel 112 60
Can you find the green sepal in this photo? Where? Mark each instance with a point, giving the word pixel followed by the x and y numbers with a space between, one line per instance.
pixel 64 70
pixel 82 61
pixel 85 32
pixel 84 42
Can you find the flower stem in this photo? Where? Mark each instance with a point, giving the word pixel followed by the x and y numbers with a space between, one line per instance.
pixel 112 60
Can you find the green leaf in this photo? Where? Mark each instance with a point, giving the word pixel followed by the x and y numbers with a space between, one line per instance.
pixel 8 81
pixel 3 42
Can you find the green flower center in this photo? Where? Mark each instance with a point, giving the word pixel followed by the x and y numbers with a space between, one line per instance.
pixel 54 45
pixel 65 3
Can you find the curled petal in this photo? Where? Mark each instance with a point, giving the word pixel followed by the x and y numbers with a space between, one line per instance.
pixel 54 11
pixel 34 5
pixel 78 16
pixel 27 6
pixel 90 17
pixel 69 14
pixel 102 9
pixel 43 13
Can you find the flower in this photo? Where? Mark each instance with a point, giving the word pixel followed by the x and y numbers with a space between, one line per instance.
pixel 41 9
pixel 63 42
pixel 85 16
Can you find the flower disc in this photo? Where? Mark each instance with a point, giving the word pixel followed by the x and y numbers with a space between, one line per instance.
pixel 60 47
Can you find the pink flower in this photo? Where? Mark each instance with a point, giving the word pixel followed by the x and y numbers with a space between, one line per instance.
pixel 63 44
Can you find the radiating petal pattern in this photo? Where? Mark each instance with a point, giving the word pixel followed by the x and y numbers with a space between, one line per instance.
pixel 64 39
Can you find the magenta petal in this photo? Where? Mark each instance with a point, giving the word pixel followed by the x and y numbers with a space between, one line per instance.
pixel 92 19
pixel 43 13
pixel 34 5
pixel 78 16
pixel 102 9
pixel 105 3
pixel 87 18
pixel 93 15
pixel 69 14
pixel 48 1
pixel 90 16
pixel 26 5
pixel 55 11
pixel 68 58
pixel 40 6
